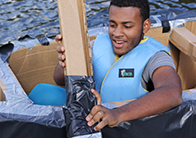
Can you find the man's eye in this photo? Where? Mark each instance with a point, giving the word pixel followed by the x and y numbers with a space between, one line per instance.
pixel 128 27
pixel 112 25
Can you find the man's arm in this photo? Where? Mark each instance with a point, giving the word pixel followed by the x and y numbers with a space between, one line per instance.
pixel 167 94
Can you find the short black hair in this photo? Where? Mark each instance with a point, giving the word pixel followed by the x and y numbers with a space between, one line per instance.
pixel 143 5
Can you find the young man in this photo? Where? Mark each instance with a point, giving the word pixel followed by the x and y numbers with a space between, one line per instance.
pixel 128 65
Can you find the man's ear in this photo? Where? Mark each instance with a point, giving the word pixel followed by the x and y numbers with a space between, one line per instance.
pixel 146 25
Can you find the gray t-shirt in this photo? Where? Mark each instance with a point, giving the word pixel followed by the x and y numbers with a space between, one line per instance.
pixel 161 58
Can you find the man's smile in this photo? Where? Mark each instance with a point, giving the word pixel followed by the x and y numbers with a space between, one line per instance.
pixel 118 43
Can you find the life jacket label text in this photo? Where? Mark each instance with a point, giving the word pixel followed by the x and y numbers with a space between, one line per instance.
pixel 126 73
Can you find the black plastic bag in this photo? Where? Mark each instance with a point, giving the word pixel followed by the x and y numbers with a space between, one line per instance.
pixel 80 101
pixel 179 122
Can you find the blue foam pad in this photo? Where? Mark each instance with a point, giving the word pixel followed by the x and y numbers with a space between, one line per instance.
pixel 47 94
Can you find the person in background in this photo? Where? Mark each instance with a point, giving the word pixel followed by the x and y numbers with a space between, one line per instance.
pixel 128 65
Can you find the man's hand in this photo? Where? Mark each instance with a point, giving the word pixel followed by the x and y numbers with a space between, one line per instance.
pixel 100 113
pixel 59 70
pixel 60 49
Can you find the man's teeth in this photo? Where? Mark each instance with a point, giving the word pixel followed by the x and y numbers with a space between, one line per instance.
pixel 119 42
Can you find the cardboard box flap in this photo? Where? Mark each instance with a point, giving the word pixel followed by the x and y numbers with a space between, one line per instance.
pixel 185 41
pixel 34 66
pixel 25 60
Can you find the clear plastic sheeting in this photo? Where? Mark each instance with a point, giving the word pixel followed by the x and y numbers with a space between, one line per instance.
pixel 18 107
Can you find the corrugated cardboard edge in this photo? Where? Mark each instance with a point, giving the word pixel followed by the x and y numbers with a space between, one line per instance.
pixel 3 88
pixel 1 95
pixel 85 35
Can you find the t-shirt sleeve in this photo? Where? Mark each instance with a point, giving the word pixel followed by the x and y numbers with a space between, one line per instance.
pixel 160 59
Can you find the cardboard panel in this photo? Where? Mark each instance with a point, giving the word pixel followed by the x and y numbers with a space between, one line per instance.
pixel 183 48
pixel 157 34
pixel 187 71
pixel 191 26
pixel 73 25
pixel 34 66
pixel 34 77
pixel 175 54
pixel 185 41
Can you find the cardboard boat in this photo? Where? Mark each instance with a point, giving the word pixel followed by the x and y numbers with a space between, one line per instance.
pixel 34 64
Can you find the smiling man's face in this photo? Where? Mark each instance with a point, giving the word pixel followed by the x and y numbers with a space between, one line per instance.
pixel 125 28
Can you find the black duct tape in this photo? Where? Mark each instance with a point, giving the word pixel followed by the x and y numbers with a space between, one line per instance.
pixel 80 101
pixel 166 26
pixel 5 51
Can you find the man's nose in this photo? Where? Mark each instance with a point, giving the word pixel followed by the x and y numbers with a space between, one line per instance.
pixel 118 32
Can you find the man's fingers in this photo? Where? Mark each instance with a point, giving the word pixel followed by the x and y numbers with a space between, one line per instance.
pixel 62 64
pixel 100 125
pixel 58 39
pixel 97 95
pixel 61 57
pixel 93 112
pixel 60 49
pixel 99 115
pixel 88 118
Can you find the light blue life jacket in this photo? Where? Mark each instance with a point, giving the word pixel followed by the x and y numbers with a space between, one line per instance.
pixel 121 80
